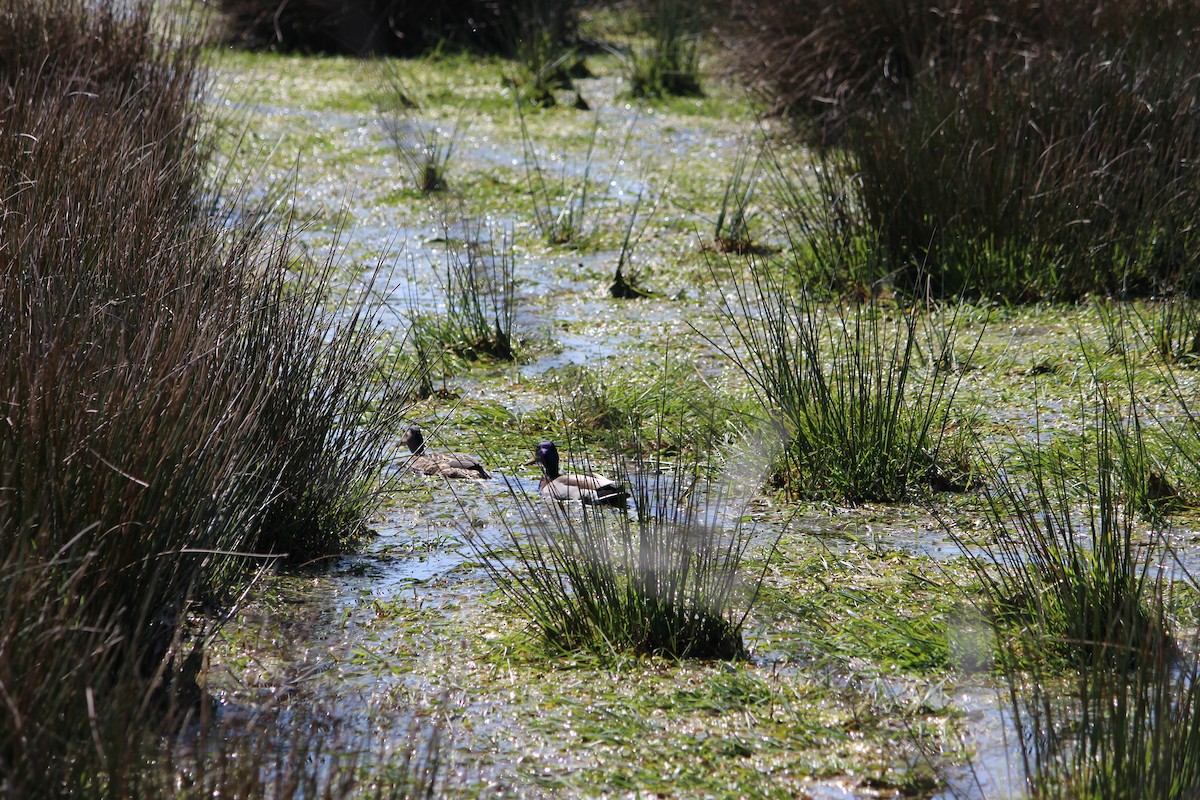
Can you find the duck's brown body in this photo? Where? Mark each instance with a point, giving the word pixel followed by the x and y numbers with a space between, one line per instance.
pixel 447 465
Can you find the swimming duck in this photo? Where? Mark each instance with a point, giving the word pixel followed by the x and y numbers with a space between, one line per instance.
pixel 585 487
pixel 448 465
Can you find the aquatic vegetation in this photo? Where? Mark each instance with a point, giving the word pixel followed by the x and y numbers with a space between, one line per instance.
pixel 563 207
pixel 931 113
pixel 670 66
pixel 1103 697
pixel 826 62
pixel 855 621
pixel 665 579
pixel 422 147
pixel 476 279
pixel 842 385
pixel 182 408
pixel 1067 570
pixel 626 282
pixel 731 231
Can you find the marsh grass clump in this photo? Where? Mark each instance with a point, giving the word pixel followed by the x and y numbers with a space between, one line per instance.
pixel 863 412
pixel 1021 156
pixel 731 231
pixel 1102 200
pixel 476 277
pixel 670 66
pixel 390 27
pixel 828 62
pixel 563 207
pixel 542 40
pixel 1168 327
pixel 627 277
pixel 1067 570
pixel 1102 696
pixel 664 579
pixel 1119 733
pixel 422 147
pixel 180 409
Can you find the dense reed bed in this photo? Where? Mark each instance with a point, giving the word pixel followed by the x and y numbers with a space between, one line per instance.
pixel 180 410
pixel 1044 152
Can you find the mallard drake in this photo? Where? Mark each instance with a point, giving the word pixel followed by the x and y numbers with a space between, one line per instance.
pixel 586 487
pixel 448 465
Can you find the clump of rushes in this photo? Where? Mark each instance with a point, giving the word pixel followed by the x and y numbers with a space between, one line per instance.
pixel 1066 570
pixel 665 579
pixel 174 397
pixel 1102 200
pixel 476 278
pixel 731 232
pixel 831 62
pixel 542 41
pixel 1170 327
pixel 560 208
pixel 423 148
pixel 626 282
pixel 1070 582
pixel 1115 733
pixel 860 392
pixel 670 67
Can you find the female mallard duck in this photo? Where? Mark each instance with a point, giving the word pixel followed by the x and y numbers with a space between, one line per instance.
pixel 448 465
pixel 585 487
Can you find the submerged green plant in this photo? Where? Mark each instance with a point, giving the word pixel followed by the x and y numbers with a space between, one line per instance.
pixel 864 416
pixel 666 578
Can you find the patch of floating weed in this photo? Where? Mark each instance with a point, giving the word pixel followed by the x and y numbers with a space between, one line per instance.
pixel 887 607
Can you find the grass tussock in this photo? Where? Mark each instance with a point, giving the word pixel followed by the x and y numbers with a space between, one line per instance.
pixel 423 147
pixel 859 393
pixel 174 397
pixel 670 65
pixel 1080 598
pixel 1076 176
pixel 664 579
pixel 479 292
pixel 1047 151
pixel 830 61
pixel 1067 569
pixel 1128 733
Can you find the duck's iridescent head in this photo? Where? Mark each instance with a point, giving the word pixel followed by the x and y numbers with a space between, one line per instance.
pixel 546 454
